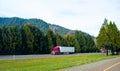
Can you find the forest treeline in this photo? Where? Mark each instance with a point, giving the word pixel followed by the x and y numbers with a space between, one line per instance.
pixel 109 37
pixel 28 39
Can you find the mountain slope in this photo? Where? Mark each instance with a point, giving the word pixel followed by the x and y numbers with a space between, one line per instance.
pixel 42 25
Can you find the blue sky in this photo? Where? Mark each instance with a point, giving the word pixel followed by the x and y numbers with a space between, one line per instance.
pixel 85 15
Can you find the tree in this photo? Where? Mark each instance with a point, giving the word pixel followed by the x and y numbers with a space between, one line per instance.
pixel 18 40
pixel 102 38
pixel 76 42
pixel 83 42
pixel 1 42
pixel 46 46
pixel 51 39
pixel 5 37
pixel 118 42
pixel 27 39
pixel 14 39
pixel 90 44
pixel 38 43
pixel 112 34
pixel 60 41
pixel 117 38
pixel 108 37
pixel 69 39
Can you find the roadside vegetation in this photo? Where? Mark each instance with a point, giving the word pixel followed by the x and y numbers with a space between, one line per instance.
pixel 50 63
pixel 28 39
pixel 109 37
pixel 25 39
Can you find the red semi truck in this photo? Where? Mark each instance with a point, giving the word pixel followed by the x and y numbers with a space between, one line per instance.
pixel 62 49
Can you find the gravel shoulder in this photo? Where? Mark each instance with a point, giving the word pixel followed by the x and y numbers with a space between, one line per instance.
pixel 97 66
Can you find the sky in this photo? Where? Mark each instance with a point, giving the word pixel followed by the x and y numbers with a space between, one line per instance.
pixel 84 15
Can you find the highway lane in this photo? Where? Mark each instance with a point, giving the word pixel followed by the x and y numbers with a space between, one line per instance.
pixel 97 66
pixel 114 67
pixel 10 57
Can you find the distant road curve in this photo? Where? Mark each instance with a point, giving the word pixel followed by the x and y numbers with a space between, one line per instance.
pixel 10 57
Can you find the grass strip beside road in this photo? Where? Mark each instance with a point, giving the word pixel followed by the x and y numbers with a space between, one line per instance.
pixel 50 63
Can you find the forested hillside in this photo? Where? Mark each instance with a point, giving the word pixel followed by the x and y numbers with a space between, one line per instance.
pixel 34 36
pixel 42 25
pixel 28 39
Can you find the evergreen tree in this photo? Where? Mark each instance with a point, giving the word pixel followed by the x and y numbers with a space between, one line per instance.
pixel 69 39
pixel 60 41
pixel 38 40
pixel 5 48
pixel 103 38
pixel 118 42
pixel 76 42
pixel 1 42
pixel 83 43
pixel 113 31
pixel 89 43
pixel 108 37
pixel 46 46
pixel 27 38
pixel 18 40
pixel 51 39
pixel 23 40
pixel 76 45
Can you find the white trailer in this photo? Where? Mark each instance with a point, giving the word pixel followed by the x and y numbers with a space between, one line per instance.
pixel 64 49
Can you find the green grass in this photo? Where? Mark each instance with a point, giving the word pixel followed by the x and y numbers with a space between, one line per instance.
pixel 49 64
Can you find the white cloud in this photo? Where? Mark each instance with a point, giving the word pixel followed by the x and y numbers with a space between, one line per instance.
pixel 85 15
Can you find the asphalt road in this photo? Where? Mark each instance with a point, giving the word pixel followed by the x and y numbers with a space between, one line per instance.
pixel 115 68
pixel 106 65
pixel 10 57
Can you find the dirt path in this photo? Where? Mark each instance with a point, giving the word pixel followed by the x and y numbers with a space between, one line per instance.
pixel 97 66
